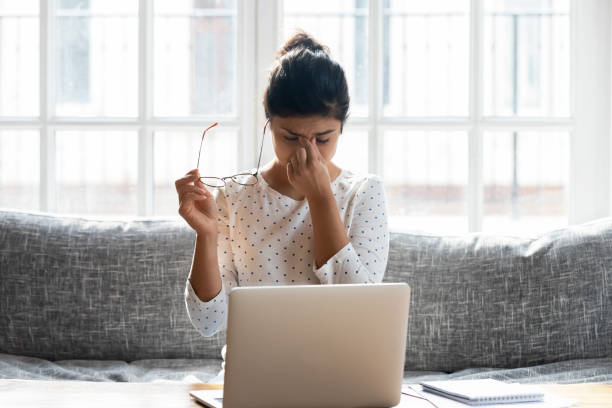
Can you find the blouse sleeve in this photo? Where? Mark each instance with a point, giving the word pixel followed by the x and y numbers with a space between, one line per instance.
pixel 364 258
pixel 211 317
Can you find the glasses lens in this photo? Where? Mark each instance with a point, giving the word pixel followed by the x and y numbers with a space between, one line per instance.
pixel 212 181
pixel 245 179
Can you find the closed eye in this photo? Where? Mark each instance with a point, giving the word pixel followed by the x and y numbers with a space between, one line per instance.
pixel 293 139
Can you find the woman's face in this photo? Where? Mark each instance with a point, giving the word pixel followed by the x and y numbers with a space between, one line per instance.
pixel 286 132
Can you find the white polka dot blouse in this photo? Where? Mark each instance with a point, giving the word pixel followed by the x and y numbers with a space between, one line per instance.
pixel 266 238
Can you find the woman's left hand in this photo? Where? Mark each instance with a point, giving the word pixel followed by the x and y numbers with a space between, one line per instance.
pixel 307 171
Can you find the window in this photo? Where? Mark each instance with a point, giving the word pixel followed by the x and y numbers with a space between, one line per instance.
pixel 126 89
pixel 194 55
pixel 195 63
pixel 95 58
pixel 73 53
pixel 469 120
pixel 19 97
pixel 19 58
pixel 479 115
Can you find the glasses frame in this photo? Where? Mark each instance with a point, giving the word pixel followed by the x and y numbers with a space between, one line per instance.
pixel 233 177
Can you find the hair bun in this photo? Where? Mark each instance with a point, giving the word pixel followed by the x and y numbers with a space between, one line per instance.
pixel 301 40
pixel 305 80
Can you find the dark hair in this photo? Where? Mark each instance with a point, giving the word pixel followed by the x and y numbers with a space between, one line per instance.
pixel 305 80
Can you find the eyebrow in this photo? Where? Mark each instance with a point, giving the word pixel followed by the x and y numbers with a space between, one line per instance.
pixel 316 134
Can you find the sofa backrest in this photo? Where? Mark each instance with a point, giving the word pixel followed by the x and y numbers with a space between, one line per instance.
pixel 76 288
pixel 491 301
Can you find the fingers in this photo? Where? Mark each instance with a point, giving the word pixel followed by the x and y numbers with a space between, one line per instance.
pixel 290 173
pixel 194 172
pixel 201 190
pixel 295 166
pixel 302 156
pixel 186 179
pixel 311 151
pixel 192 196
pixel 190 177
pixel 194 189
pixel 193 192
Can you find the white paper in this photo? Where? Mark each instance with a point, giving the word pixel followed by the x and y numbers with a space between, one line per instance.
pixel 550 401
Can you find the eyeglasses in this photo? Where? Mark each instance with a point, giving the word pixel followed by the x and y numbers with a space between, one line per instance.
pixel 246 179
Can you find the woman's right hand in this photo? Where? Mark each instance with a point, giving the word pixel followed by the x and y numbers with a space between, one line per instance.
pixel 196 204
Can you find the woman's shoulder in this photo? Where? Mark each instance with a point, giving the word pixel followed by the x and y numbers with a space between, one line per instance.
pixel 357 179
pixel 353 186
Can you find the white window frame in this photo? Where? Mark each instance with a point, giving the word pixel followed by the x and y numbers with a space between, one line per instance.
pixel 259 31
pixel 590 178
pixel 146 124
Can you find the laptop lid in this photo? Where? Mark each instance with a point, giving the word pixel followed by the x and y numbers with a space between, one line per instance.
pixel 316 346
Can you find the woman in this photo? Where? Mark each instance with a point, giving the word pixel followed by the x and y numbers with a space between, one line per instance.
pixel 306 221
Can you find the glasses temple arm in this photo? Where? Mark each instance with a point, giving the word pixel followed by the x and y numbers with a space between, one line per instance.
pixel 261 148
pixel 202 141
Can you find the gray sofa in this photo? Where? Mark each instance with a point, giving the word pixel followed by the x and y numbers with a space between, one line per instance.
pixel 101 300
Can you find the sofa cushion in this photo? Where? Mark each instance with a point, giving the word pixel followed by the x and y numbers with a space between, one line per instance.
pixel 75 288
pixel 182 370
pixel 482 300
pixel 206 370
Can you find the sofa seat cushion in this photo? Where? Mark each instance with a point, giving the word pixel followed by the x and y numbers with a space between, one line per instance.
pixel 182 370
pixel 595 370
pixel 203 370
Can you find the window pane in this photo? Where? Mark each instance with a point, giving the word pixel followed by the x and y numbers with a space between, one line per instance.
pixel 96 172
pixel 426 176
pixel 341 25
pixel 176 153
pixel 525 181
pixel 526 58
pixel 19 58
pixel 352 151
pixel 96 58
pixel 19 169
pixel 194 49
pixel 426 58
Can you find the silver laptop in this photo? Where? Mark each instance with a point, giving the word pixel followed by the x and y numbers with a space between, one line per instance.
pixel 314 346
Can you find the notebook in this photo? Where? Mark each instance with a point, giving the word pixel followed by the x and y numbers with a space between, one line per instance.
pixel 483 392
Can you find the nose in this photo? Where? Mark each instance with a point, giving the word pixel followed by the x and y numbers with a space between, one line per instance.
pixel 306 139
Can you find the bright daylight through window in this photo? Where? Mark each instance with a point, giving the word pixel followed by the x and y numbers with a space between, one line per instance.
pixel 463 107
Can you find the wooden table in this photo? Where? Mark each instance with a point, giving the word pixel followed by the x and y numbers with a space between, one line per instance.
pixel 86 394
